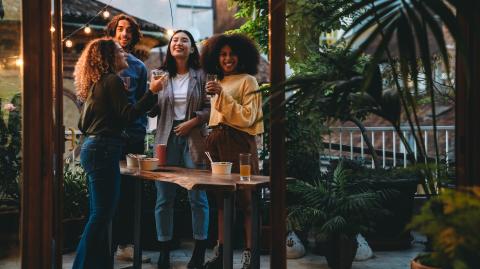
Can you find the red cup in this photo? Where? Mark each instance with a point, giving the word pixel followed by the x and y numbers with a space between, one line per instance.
pixel 161 153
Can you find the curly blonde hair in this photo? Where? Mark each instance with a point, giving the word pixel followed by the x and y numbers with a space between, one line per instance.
pixel 97 58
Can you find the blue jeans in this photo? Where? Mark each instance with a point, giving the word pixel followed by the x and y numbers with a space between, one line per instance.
pixel 99 158
pixel 179 155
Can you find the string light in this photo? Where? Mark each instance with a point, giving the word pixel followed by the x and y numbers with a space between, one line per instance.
pixel 106 14
pixel 69 43
pixel 103 11
pixel 52 29
pixel 19 62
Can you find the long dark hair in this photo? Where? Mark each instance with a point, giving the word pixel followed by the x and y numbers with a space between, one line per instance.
pixel 136 34
pixel 241 45
pixel 193 59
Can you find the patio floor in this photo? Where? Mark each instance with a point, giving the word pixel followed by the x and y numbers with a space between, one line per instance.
pixel 180 257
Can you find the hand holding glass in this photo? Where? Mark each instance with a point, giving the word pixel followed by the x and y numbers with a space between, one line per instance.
pixel 210 78
pixel 126 82
pixel 245 166
pixel 162 75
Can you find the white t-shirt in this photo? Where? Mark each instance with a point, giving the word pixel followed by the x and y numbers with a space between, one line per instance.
pixel 180 90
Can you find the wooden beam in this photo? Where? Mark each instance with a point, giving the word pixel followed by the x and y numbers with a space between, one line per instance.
pixel 59 135
pixel 37 140
pixel 467 129
pixel 277 133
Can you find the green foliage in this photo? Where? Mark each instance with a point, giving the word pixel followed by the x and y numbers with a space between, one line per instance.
pixel 451 221
pixel 379 174
pixel 75 191
pixel 429 259
pixel 415 27
pixel 335 204
pixel 329 84
pixel 303 141
pixel 306 21
pixel 256 25
pixel 10 150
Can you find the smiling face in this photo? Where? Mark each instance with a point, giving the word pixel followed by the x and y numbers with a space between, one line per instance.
pixel 120 58
pixel 228 60
pixel 180 45
pixel 123 33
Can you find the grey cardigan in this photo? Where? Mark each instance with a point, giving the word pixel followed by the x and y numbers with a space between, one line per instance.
pixel 198 105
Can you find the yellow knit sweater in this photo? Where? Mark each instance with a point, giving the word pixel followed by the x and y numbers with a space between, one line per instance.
pixel 237 106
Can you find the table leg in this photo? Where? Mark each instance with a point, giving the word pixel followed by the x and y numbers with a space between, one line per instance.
pixel 137 250
pixel 110 246
pixel 255 229
pixel 227 231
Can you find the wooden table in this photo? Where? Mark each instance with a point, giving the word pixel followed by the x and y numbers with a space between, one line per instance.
pixel 194 179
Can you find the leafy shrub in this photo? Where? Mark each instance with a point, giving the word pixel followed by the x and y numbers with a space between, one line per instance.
pixel 75 191
pixel 451 221
pixel 335 204
pixel 10 149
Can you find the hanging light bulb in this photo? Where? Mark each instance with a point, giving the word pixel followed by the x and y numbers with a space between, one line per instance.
pixel 19 62
pixel 87 30
pixel 52 29
pixel 69 43
pixel 106 14
pixel 170 32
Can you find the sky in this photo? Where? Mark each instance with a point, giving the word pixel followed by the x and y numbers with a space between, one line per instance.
pixel 198 22
pixel 156 11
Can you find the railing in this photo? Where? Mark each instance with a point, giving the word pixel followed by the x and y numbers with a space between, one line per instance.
pixel 388 146
pixel 347 142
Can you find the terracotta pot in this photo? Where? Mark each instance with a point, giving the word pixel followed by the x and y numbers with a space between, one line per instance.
pixel 417 265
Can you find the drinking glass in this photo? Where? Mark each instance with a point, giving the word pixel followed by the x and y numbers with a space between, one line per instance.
pixel 157 73
pixel 210 77
pixel 245 166
pixel 126 82
pixel 160 74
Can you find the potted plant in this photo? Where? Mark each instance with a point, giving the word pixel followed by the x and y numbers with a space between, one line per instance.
pixel 389 232
pixel 75 206
pixel 451 221
pixel 426 261
pixel 339 207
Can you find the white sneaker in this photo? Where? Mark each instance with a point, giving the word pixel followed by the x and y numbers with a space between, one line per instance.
pixel 246 259
pixel 125 253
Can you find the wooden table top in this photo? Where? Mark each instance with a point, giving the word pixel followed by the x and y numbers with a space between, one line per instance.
pixel 192 179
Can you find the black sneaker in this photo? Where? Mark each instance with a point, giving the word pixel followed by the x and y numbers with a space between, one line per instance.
pixel 246 259
pixel 198 255
pixel 217 261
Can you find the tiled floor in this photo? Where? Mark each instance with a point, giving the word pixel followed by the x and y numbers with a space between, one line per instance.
pixel 180 257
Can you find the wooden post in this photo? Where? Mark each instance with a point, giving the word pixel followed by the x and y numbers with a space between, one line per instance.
pixel 59 134
pixel 467 128
pixel 277 134
pixel 37 140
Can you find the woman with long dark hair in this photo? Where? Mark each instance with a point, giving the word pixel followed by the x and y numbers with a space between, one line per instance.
pixel 183 112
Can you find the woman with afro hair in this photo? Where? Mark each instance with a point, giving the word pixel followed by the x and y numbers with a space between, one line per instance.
pixel 236 110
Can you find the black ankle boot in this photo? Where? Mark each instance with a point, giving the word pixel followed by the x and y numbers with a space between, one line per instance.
pixel 198 255
pixel 164 257
pixel 217 261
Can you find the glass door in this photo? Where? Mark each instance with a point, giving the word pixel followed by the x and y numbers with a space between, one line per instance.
pixel 29 154
pixel 11 91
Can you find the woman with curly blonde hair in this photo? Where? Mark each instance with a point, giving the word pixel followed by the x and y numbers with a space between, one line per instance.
pixel 106 111
pixel 91 66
